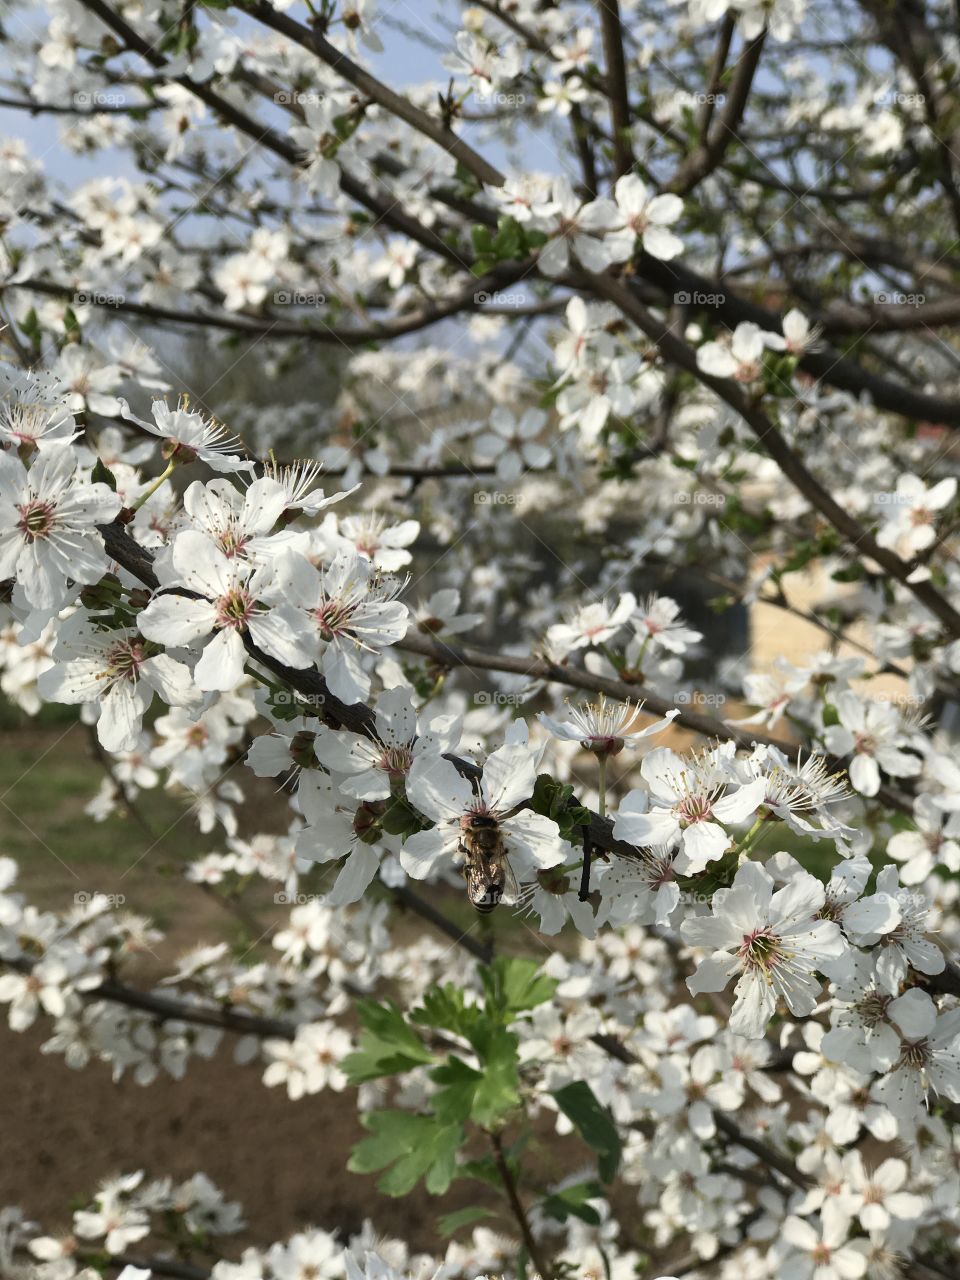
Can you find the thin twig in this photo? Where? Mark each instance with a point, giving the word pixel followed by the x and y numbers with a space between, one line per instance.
pixel 516 1206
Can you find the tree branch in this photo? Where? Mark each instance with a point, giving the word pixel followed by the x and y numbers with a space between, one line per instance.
pixel 712 149
pixel 516 1206
pixel 676 351
pixel 612 30
pixel 395 103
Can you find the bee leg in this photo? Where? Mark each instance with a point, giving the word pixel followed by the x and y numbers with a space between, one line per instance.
pixel 462 853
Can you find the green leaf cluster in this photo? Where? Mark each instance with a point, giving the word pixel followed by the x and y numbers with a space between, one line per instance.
pixel 511 242
pixel 556 800
pixel 482 1093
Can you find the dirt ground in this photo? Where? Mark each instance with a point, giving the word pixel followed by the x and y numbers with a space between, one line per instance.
pixel 61 1131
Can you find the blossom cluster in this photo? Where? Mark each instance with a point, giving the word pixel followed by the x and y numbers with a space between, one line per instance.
pixel 573 430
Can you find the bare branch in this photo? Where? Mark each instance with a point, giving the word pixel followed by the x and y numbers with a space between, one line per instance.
pixel 715 145
pixel 617 80
pixel 378 92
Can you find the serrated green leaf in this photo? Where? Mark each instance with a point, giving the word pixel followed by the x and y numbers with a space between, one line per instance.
pixel 445 1008
pixel 409 1147
pixel 498 1090
pixel 388 1044
pixel 103 475
pixel 453 1103
pixel 514 984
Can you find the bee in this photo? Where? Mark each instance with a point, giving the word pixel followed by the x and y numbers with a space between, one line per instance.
pixel 486 869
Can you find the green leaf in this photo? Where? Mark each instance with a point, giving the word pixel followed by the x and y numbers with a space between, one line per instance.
pixel 498 1090
pixel 717 874
pixel 481 1170
pixel 509 241
pixel 574 1202
pixel 449 1223
pixel 409 1147
pixel 400 818
pixel 555 800
pixel 851 573
pixel 594 1123
pixel 482 240
pixel 70 323
pixel 387 1044
pixel 103 475
pixel 30 327
pixel 445 1008
pixel 831 715
pixel 483 1096
pixel 514 984
pixel 453 1104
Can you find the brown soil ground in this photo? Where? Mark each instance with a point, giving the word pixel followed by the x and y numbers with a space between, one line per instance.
pixel 63 1130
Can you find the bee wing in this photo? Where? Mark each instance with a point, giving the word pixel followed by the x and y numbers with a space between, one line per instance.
pixel 511 890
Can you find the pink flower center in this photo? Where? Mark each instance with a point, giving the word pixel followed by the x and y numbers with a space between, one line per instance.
pixel 37 519
pixel 694 808
pixel 332 618
pixel 235 609
pixel 760 949
pixel 396 761
pixel 232 543
pixel 125 658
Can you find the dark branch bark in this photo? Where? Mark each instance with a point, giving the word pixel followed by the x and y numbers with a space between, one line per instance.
pixel 612 29
pixel 708 156
pixel 676 351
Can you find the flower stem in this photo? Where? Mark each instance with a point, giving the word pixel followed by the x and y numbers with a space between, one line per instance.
pixel 751 835
pixel 614 662
pixel 154 487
